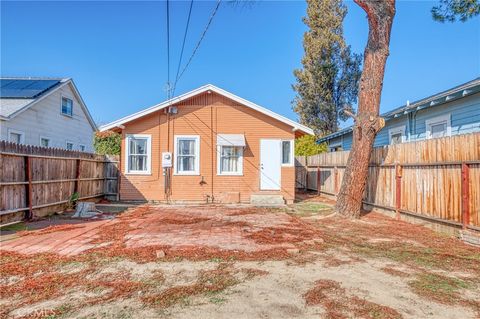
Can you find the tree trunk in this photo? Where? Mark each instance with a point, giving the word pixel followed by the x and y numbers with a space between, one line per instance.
pixel 367 121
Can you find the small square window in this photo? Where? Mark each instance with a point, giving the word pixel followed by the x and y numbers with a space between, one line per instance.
pixel 67 106
pixel 396 138
pixel 81 148
pixel 69 146
pixel 287 153
pixel 45 142
pixel 439 126
pixel 15 136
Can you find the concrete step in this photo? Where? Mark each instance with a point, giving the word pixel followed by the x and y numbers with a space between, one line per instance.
pixel 267 200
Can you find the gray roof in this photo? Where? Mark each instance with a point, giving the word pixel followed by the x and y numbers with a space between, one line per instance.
pixel 10 106
pixel 17 93
pixel 457 92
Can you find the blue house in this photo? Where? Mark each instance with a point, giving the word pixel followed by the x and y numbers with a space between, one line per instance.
pixel 454 111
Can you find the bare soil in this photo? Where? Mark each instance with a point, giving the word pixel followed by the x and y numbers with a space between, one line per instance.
pixel 301 267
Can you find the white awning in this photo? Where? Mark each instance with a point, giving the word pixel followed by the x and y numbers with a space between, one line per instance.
pixel 231 140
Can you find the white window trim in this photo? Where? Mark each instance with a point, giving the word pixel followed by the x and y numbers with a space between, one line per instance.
pixel 396 130
pixel 197 155
pixel 42 137
pixel 21 133
pixel 436 120
pixel 84 147
pixel 292 148
pixel 61 105
pixel 149 154
pixel 73 145
pixel 337 144
pixel 219 159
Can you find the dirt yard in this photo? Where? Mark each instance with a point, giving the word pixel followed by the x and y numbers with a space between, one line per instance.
pixel 238 262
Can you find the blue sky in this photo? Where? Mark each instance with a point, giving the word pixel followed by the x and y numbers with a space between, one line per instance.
pixel 116 51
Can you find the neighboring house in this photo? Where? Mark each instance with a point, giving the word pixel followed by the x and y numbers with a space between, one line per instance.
pixel 452 112
pixel 45 112
pixel 222 149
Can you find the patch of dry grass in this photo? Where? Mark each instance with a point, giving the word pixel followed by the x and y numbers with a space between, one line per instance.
pixel 338 304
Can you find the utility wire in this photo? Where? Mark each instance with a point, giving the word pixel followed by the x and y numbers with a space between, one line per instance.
pixel 168 49
pixel 198 43
pixel 183 44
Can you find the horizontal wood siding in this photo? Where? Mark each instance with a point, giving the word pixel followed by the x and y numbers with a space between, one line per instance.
pixel 205 115
pixel 433 190
pixel 45 119
pixel 464 117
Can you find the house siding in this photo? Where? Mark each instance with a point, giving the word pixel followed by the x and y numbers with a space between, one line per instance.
pixel 464 117
pixel 44 119
pixel 206 115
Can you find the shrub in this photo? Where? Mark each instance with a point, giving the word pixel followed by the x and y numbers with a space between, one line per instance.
pixel 307 145
pixel 107 143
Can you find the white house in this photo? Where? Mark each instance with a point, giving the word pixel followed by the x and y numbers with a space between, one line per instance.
pixel 45 112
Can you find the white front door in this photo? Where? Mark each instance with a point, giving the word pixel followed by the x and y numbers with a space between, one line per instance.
pixel 270 164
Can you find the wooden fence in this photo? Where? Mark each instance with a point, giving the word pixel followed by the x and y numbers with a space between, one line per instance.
pixel 437 179
pixel 36 180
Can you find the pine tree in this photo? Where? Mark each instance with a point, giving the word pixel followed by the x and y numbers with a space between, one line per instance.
pixel 328 82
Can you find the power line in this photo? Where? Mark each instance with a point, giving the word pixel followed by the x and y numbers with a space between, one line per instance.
pixel 183 44
pixel 168 49
pixel 198 43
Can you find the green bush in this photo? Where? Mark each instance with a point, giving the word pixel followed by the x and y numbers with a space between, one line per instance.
pixel 107 143
pixel 307 145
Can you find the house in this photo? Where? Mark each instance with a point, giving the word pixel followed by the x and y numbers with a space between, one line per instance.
pixel 46 112
pixel 451 112
pixel 207 145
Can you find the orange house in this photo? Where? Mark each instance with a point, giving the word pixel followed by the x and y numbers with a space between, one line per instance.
pixel 207 145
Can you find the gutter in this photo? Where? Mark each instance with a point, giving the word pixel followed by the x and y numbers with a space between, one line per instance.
pixel 456 93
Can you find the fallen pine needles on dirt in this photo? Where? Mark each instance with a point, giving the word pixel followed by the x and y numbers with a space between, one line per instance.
pixel 337 304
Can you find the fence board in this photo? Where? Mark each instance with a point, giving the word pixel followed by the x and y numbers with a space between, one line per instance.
pixel 431 176
pixel 53 175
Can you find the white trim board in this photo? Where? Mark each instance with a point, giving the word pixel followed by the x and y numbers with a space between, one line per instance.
pixel 21 133
pixel 149 154
pixel 197 155
pixel 446 118
pixel 209 87
pixel 396 130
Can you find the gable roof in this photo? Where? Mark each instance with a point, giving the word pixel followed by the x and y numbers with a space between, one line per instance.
pixel 455 93
pixel 19 94
pixel 200 90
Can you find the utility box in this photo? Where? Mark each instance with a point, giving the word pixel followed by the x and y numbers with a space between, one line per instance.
pixel 166 159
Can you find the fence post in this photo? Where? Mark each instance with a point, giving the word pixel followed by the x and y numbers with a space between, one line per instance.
pixel 318 179
pixel 335 176
pixel 77 175
pixel 465 195
pixel 28 190
pixel 306 173
pixel 398 189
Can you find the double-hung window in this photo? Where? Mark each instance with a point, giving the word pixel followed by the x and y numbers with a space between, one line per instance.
pixel 287 153
pixel 67 106
pixel 230 160
pixel 439 126
pixel 187 154
pixel 138 154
